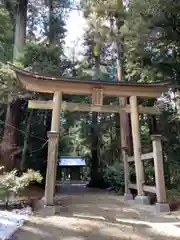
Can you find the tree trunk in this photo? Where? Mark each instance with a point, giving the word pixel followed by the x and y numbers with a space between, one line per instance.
pixel 26 139
pixel 129 136
pixel 20 29
pixel 10 151
pixel 10 6
pixel 126 123
pixel 152 124
pixel 95 165
pixel 95 176
pixel 10 142
pixel 51 30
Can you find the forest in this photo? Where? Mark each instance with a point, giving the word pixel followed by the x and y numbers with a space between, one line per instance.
pixel 138 40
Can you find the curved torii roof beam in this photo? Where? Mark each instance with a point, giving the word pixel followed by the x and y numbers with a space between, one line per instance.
pixel 34 82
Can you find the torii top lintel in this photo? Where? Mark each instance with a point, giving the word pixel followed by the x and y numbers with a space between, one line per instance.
pixel 34 82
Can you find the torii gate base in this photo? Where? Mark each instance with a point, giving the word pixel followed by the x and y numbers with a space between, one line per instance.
pixel 159 189
pixel 97 90
pixel 48 199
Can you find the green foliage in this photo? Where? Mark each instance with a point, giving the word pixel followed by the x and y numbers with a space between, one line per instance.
pixel 12 184
pixel 114 176
pixel 43 58
pixel 6 36
pixel 9 84
pixel 152 40
pixel 85 173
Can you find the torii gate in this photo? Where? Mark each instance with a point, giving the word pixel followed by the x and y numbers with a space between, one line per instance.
pixel 99 89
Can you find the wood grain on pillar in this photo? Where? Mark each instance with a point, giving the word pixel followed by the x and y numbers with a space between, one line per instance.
pixel 53 142
pixel 137 144
pixel 56 111
pixel 124 141
pixel 51 165
pixel 159 169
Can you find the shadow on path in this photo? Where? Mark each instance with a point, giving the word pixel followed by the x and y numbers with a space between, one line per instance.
pixel 84 213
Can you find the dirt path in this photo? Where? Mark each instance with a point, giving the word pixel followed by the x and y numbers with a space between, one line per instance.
pixel 91 215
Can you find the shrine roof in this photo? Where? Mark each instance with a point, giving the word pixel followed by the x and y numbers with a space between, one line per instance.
pixel 45 84
pixel 91 81
pixel 66 161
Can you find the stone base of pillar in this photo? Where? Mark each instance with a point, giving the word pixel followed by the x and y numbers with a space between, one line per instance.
pixel 162 207
pixel 47 211
pixel 144 200
pixel 128 196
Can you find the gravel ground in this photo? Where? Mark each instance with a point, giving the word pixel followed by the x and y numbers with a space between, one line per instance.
pixel 94 215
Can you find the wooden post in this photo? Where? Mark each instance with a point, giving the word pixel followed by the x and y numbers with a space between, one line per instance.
pixel 51 163
pixel 126 171
pixel 124 147
pixel 161 205
pixel 56 111
pixel 55 124
pixel 137 150
pixel 53 142
pixel 123 122
pixel 127 193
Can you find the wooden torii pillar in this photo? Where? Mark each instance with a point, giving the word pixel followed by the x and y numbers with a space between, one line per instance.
pixel 161 205
pixel 124 147
pixel 140 198
pixel 53 142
